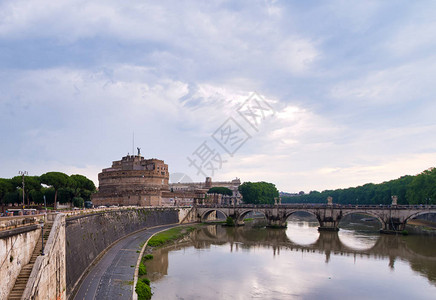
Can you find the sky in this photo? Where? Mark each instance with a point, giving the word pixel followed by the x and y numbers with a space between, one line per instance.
pixel 308 95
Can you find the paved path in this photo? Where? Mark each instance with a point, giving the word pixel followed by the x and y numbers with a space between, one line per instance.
pixel 112 276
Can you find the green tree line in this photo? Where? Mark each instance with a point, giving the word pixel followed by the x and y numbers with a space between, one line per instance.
pixel 55 186
pixel 418 189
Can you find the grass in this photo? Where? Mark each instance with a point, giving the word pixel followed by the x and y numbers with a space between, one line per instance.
pixel 213 222
pixel 128 282
pixel 169 235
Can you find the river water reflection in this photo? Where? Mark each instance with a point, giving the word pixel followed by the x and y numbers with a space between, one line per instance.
pixel 247 262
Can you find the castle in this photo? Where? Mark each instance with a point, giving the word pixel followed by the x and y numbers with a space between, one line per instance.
pixel 134 180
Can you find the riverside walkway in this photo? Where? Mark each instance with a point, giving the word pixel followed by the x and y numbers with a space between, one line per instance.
pixel 112 276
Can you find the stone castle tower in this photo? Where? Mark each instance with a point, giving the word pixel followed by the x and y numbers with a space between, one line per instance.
pixel 132 180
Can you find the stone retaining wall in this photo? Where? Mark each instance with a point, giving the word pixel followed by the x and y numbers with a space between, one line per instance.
pixel 16 248
pixel 7 223
pixel 89 235
pixel 48 277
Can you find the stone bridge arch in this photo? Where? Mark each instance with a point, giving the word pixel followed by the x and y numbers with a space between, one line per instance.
pixel 420 213
pixel 364 212
pixel 245 212
pixel 290 213
pixel 206 213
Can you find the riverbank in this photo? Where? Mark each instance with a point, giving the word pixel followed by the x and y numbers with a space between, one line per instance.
pixel 170 235
pixel 142 290
pixel 421 227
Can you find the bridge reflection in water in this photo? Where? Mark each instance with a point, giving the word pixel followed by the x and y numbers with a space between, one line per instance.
pixel 390 247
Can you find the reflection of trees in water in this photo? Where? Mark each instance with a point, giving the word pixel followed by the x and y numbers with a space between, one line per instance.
pixel 417 250
pixel 424 247
pixel 423 267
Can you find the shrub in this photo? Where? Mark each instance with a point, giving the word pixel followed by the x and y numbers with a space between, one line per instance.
pixel 148 257
pixel 145 280
pixel 230 222
pixel 143 290
pixel 142 270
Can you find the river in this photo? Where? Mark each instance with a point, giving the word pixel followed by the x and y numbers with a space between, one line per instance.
pixel 252 262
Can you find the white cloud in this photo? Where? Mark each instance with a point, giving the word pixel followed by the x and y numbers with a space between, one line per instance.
pixel 352 86
pixel 296 55
pixel 401 83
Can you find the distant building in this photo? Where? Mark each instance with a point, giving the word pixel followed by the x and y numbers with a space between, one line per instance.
pixel 132 180
pixel 201 188
pixel 285 194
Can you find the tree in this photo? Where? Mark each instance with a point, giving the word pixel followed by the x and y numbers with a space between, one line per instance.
pixel 78 202
pixel 220 190
pixel 31 183
pixel 12 197
pixel 36 196
pixel 6 187
pixel 258 192
pixel 419 189
pixel 65 195
pixel 422 188
pixel 81 186
pixel 56 180
pixel 49 194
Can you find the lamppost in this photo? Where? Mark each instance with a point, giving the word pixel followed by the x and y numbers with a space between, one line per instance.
pixel 41 222
pixel 23 173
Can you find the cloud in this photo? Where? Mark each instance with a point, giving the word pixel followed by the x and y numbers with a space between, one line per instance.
pixel 296 55
pixel 402 83
pixel 352 86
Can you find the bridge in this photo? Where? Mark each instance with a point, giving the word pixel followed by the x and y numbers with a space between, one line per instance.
pixel 393 218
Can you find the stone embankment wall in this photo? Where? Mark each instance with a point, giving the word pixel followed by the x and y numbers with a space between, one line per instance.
pixel 7 223
pixel 48 277
pixel 16 248
pixel 428 217
pixel 88 236
pixel 187 215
